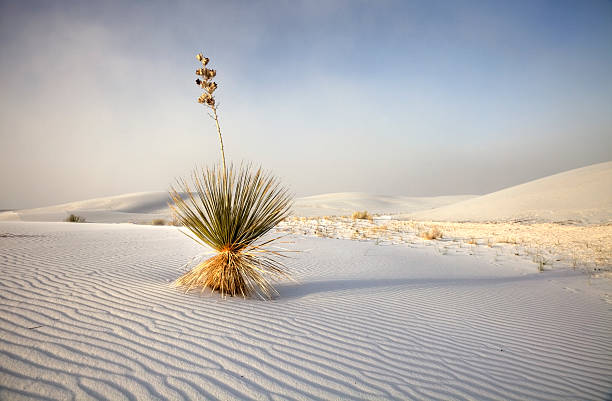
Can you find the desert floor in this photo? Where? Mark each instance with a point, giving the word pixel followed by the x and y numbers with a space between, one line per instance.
pixel 87 312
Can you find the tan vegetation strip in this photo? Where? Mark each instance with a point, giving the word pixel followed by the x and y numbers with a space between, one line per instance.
pixel 578 246
pixel 583 245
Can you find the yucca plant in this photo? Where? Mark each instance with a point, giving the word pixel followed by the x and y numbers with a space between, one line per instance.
pixel 230 210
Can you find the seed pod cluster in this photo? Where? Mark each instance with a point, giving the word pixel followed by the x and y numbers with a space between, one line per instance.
pixel 205 83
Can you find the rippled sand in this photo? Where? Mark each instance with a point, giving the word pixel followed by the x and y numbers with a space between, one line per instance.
pixel 87 312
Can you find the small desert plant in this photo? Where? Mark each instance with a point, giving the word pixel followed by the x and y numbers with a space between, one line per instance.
pixel 158 222
pixel 230 210
pixel 541 261
pixel 433 233
pixel 363 215
pixel 73 218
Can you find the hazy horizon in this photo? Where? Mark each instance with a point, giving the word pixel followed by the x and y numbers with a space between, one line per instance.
pixel 395 98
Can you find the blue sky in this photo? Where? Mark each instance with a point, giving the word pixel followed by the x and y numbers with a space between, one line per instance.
pixel 413 98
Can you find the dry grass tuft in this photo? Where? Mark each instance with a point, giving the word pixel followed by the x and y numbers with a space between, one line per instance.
pixel 362 215
pixel 233 273
pixel 158 222
pixel 431 234
pixel 541 261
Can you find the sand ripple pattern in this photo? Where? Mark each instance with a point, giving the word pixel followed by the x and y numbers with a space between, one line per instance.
pixel 86 313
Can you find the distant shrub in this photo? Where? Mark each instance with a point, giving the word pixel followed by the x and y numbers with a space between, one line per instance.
pixel 364 215
pixel 73 218
pixel 158 222
pixel 433 233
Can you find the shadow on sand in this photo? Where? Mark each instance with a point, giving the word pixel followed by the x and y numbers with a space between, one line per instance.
pixel 304 289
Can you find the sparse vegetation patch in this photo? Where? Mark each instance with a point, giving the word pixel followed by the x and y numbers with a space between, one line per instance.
pixel 587 247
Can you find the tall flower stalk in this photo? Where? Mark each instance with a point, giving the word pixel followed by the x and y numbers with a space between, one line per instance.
pixel 207 98
pixel 231 210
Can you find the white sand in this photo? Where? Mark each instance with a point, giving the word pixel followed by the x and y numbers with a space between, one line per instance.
pixel 86 312
pixel 582 195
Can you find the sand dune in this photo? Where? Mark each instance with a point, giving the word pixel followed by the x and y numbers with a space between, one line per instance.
pixel 345 203
pixel 146 206
pixel 135 207
pixel 582 195
pixel 86 312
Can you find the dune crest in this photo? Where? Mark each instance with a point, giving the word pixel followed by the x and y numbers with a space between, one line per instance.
pixel 582 195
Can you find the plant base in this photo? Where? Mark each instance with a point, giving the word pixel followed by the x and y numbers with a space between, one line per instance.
pixel 231 273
